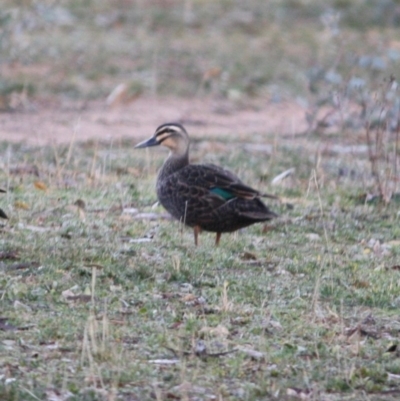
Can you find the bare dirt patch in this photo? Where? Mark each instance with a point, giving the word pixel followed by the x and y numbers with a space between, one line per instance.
pixel 55 123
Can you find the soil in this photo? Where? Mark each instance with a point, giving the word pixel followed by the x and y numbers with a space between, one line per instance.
pixel 57 122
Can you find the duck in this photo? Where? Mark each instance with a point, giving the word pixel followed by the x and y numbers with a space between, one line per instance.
pixel 205 197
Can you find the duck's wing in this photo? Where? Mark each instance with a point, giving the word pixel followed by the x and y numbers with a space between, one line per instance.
pixel 221 182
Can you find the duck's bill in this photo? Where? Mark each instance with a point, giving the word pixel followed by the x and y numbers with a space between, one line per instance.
pixel 148 142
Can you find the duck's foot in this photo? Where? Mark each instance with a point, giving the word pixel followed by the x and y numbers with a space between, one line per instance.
pixel 217 238
pixel 196 232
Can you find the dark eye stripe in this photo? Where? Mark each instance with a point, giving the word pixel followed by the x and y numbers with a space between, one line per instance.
pixel 167 131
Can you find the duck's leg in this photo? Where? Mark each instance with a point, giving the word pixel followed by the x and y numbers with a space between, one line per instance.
pixel 217 238
pixel 196 232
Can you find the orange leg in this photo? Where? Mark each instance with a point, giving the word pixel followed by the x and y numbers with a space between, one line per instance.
pixel 196 231
pixel 217 238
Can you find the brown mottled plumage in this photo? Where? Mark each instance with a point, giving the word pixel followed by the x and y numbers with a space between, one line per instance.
pixel 203 196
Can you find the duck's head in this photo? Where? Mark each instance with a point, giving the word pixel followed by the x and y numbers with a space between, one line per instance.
pixel 171 135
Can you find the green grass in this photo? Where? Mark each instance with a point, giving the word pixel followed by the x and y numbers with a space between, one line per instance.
pixel 311 298
pixel 97 304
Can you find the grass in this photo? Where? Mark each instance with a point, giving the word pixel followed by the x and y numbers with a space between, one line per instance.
pixel 81 49
pixel 306 306
pixel 100 303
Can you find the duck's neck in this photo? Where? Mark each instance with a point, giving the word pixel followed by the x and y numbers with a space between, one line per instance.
pixel 173 164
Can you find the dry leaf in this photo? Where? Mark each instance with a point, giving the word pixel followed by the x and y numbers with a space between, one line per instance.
pixel 189 298
pixel 40 185
pixel 21 205
pixel 266 228
pixel 361 284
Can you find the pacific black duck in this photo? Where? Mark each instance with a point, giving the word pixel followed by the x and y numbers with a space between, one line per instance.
pixel 203 196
